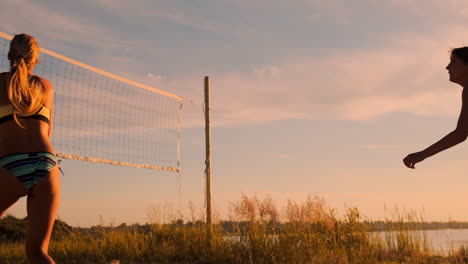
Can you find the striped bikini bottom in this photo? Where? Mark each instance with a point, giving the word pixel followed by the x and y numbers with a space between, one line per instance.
pixel 29 168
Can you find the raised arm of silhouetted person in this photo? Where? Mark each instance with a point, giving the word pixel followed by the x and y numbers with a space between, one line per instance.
pixel 458 72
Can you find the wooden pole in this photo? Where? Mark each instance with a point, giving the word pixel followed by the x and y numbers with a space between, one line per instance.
pixel 208 150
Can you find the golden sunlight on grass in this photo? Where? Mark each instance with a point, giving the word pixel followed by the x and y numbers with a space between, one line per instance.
pixel 257 232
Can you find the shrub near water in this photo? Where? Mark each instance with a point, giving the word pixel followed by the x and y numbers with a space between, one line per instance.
pixel 257 232
pixel 404 237
pixel 310 234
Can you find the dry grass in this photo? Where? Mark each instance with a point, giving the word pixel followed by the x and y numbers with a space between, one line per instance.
pixel 307 232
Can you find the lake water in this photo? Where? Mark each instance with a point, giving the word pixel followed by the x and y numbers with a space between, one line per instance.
pixel 440 241
pixel 443 240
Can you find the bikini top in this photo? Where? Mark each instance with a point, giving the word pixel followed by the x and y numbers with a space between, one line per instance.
pixel 6 114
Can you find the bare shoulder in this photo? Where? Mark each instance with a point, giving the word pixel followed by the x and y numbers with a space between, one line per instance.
pixel 48 90
pixel 45 83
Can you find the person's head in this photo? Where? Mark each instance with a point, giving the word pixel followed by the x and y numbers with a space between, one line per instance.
pixel 24 51
pixel 458 66
pixel 24 91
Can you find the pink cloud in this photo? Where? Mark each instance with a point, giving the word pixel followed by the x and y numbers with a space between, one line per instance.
pixel 406 74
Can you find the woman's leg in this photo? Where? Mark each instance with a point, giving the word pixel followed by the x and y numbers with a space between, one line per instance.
pixel 11 189
pixel 43 203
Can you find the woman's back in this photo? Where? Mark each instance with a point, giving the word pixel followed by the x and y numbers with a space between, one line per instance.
pixel 34 135
pixel 28 164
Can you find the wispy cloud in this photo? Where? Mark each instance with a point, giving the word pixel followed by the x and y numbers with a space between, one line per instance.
pixel 404 72
pixel 407 75
pixel 59 30
pixel 180 14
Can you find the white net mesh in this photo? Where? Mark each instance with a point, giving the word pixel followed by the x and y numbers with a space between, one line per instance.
pixel 100 117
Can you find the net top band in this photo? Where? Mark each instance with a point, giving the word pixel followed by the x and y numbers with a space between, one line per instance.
pixel 91 68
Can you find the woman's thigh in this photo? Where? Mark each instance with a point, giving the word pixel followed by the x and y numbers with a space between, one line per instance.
pixel 43 203
pixel 11 189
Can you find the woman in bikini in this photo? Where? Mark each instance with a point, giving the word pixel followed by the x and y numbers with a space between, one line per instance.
pixel 28 165
pixel 458 72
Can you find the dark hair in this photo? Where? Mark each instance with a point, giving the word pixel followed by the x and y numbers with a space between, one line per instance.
pixel 461 53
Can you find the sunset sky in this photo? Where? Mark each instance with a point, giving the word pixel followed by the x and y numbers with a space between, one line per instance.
pixel 309 97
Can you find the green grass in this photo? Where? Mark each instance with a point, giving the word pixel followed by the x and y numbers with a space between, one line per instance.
pixel 257 232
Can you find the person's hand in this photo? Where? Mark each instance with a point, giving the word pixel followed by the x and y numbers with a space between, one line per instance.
pixel 413 158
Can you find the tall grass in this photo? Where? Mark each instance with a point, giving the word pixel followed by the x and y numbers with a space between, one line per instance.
pixel 306 232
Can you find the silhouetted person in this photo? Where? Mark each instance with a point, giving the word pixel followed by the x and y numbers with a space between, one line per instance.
pixel 458 72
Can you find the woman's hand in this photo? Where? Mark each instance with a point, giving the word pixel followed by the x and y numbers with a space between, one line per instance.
pixel 413 158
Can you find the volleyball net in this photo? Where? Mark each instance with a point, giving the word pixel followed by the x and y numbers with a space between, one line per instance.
pixel 101 117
